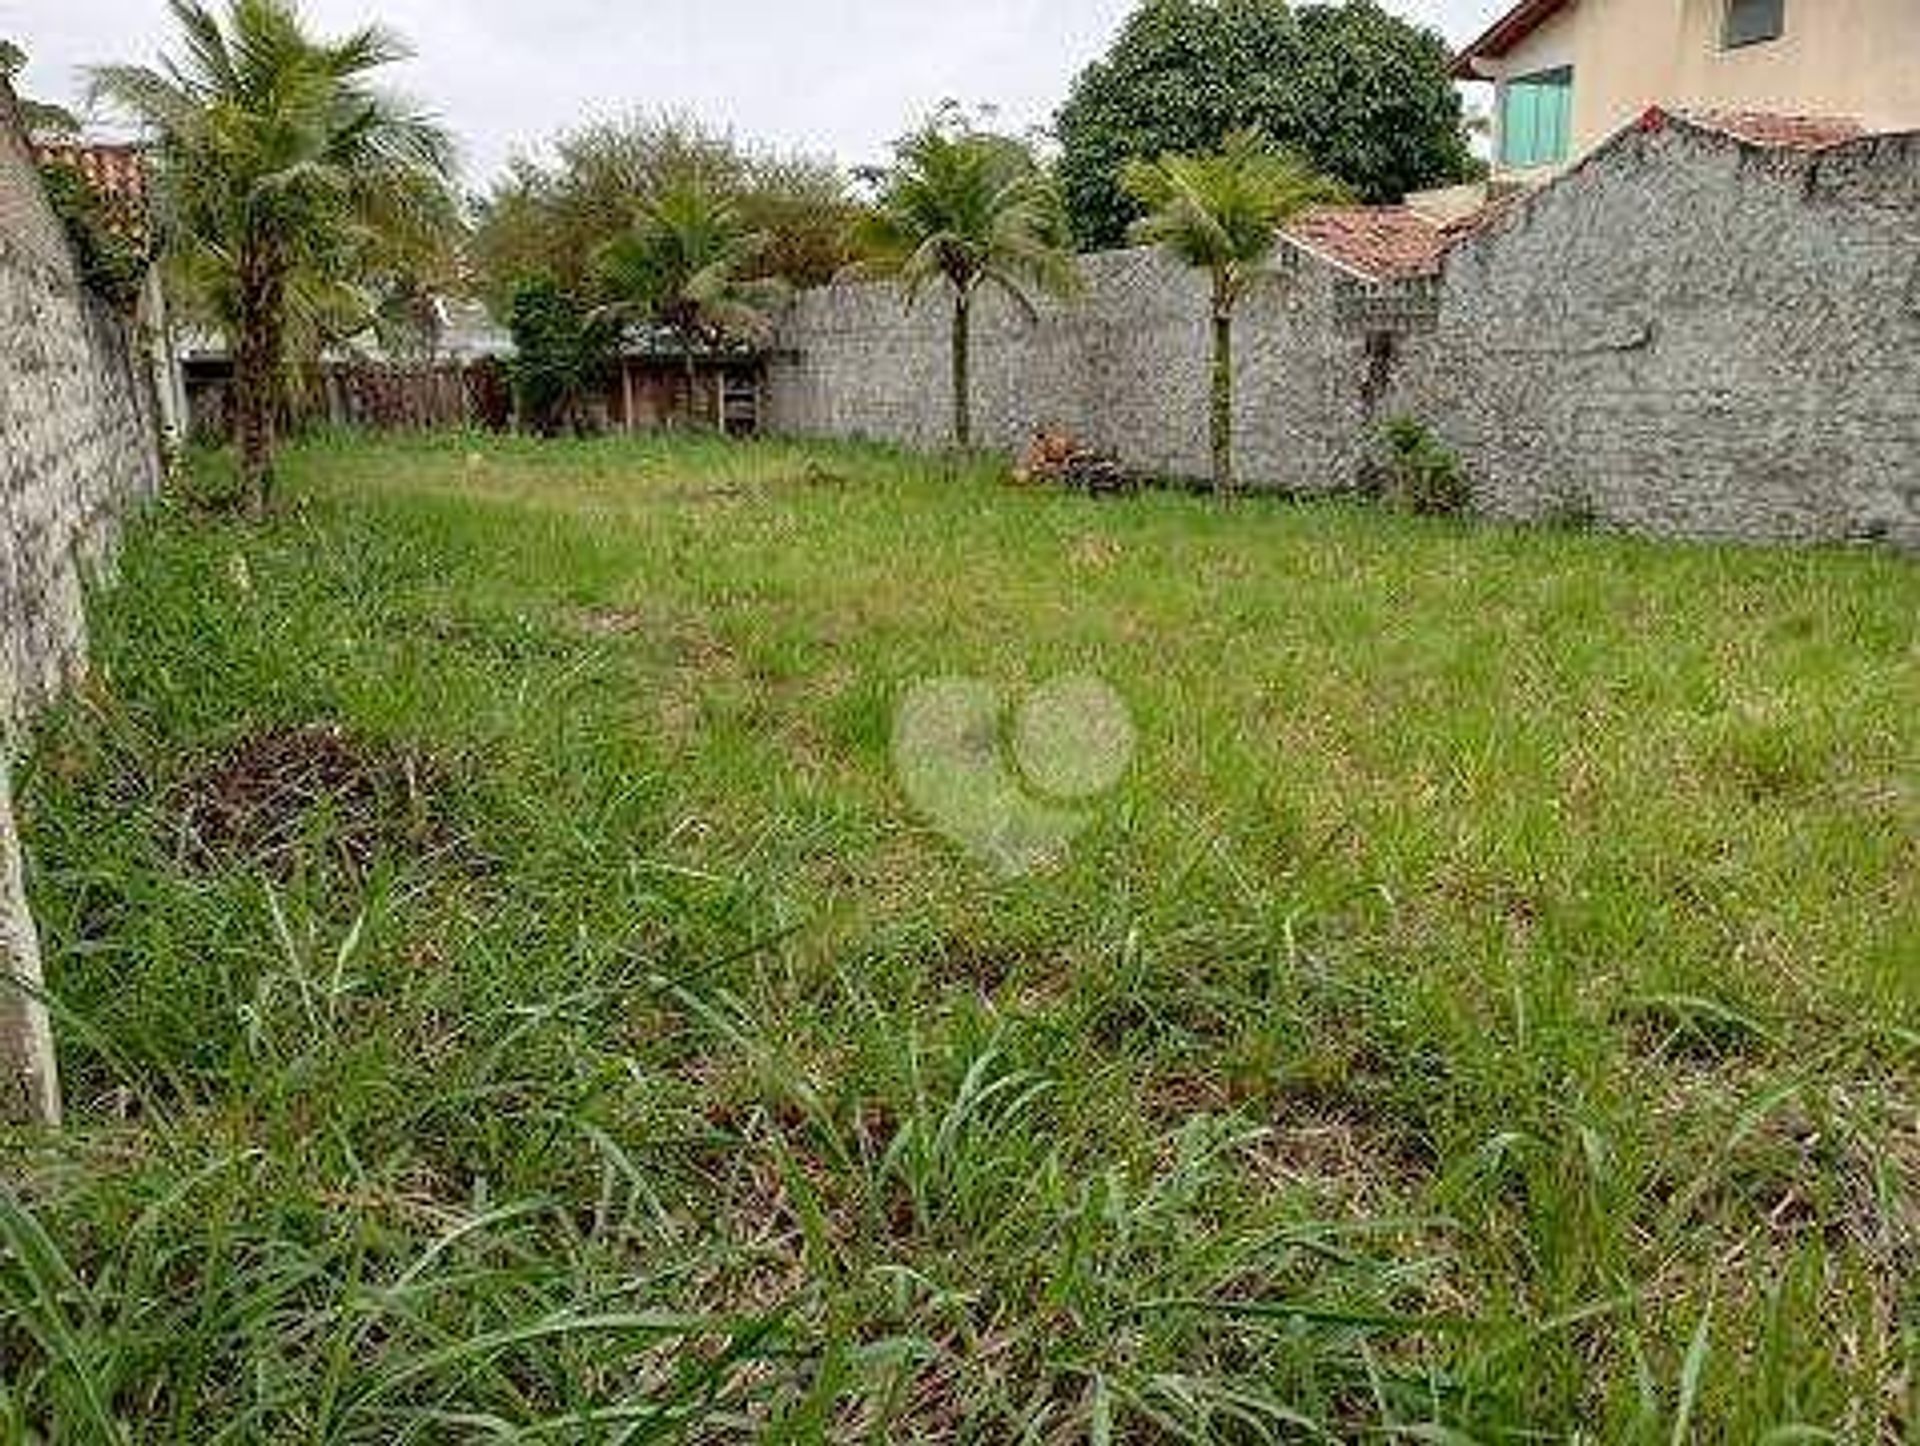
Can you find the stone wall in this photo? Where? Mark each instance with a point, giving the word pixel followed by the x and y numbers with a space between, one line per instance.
pixel 77 446
pixel 1691 336
pixel 1686 336
pixel 1125 367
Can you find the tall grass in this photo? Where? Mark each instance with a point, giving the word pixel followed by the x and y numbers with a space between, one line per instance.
pixel 1487 1010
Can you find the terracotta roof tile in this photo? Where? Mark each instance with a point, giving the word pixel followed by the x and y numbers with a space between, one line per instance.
pixel 1383 242
pixel 117 173
pixel 1778 132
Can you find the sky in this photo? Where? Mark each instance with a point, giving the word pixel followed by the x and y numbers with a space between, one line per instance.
pixel 830 77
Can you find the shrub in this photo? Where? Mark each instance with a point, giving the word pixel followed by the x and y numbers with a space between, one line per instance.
pixel 111 264
pixel 1423 475
pixel 563 353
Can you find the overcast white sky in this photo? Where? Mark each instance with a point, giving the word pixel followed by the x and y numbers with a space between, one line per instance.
pixel 836 77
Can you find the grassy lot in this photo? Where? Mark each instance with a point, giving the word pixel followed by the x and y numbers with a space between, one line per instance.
pixel 509 995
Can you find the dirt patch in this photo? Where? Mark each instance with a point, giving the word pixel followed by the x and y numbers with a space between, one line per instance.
pixel 607 622
pixel 284 796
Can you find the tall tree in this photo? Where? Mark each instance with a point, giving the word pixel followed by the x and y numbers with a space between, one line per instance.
pixel 1362 95
pixel 553 217
pixel 1222 213
pixel 278 162
pixel 972 210
pixel 687 265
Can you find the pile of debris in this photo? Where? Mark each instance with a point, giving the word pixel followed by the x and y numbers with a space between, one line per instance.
pixel 1057 458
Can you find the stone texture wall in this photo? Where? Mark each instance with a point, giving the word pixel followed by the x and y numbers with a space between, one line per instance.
pixel 77 445
pixel 1692 337
pixel 77 437
pixel 1125 367
pixel 1687 336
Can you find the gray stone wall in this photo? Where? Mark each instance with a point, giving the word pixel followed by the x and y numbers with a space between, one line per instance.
pixel 1687 336
pixel 1692 337
pixel 77 446
pixel 1125 367
pixel 77 437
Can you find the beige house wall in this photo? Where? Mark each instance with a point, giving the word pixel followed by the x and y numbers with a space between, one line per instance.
pixel 1858 58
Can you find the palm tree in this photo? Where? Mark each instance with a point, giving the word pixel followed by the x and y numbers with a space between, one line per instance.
pixel 687 265
pixel 1223 214
pixel 974 210
pixel 281 169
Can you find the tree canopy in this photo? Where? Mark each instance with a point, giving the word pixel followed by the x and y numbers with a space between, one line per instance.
pixel 554 217
pixel 292 190
pixel 690 264
pixel 1363 96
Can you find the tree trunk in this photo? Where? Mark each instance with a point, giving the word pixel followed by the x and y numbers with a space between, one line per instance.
pixel 1223 478
pixel 256 380
pixel 690 418
pixel 963 370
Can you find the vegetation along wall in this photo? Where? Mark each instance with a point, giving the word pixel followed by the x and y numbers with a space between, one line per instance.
pixel 1688 335
pixel 77 443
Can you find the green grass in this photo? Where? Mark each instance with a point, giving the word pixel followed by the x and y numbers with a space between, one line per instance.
pixel 1487 1010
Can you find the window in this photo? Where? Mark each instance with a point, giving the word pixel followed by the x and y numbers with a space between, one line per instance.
pixel 1536 119
pixel 1751 22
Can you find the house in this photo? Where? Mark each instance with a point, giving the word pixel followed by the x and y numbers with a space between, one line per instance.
pixel 1570 73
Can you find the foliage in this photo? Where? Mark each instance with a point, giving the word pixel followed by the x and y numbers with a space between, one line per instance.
pixel 554 218
pixel 563 353
pixel 1362 95
pixel 110 263
pixel 1222 213
pixel 1423 474
pixel 685 265
pixel 39 116
pixel 291 189
pixel 971 210
pixel 1501 949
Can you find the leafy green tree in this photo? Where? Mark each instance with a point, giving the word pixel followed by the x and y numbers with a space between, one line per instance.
pixel 687 265
pixel 562 353
pixel 1222 213
pixel 555 218
pixel 282 173
pixel 971 210
pixel 1362 95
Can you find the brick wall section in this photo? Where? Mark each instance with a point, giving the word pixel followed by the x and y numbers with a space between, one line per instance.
pixel 1687 336
pixel 77 446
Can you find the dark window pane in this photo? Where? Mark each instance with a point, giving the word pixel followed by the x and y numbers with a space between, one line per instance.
pixel 1752 21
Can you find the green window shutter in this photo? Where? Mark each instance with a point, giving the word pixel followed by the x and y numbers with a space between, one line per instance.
pixel 1557 101
pixel 1536 123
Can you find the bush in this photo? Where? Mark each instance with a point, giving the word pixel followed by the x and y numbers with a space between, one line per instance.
pixel 1361 93
pixel 563 353
pixel 111 264
pixel 1423 475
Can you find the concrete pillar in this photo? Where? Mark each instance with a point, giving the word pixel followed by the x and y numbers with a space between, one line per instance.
pixel 29 1080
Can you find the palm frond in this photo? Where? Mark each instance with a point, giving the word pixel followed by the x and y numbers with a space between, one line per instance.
pixel 1223 212
pixel 970 208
